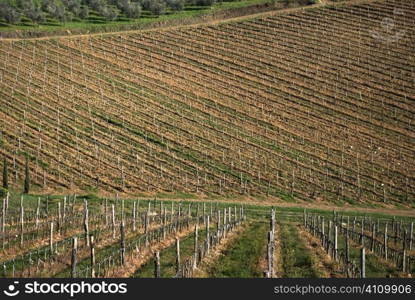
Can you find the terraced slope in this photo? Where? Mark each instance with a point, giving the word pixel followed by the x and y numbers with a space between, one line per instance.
pixel 315 104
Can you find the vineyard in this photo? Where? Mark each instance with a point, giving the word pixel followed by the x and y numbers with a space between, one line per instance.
pixel 303 106
pixel 309 107
pixel 78 237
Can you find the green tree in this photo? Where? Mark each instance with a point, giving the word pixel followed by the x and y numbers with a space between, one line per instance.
pixel 27 177
pixel 205 2
pixel 176 5
pixel 9 13
pixel 157 7
pixel 5 174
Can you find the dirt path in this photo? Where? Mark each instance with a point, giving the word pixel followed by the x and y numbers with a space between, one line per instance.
pixel 207 23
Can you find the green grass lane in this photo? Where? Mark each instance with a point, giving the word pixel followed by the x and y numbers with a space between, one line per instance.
pixel 241 259
pixel 296 259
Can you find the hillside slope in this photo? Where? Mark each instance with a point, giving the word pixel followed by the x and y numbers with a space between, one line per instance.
pixel 316 104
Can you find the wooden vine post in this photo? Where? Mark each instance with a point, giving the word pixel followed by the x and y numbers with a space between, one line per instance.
pixel 59 222
pixel 363 263
pixel 164 222
pixel 122 242
pixel 385 242
pixel 92 248
pixel 37 213
pixel 21 221
pixel 113 220
pixel 224 222
pixel 195 255
pixel 335 243
pixel 157 264
pixel 146 225
pixel 106 212
pixel 51 238
pixel 270 255
pixel 73 257
pixel 64 211
pixel 207 234
pixel 177 255
pixel 86 223
pixel 3 223
pixel 271 247
pixel 134 216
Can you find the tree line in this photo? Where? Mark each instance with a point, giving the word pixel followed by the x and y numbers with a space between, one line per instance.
pixel 12 11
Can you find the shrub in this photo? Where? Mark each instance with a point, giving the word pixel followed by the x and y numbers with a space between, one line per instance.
pixel 73 6
pixel 97 5
pixel 109 13
pixel 134 11
pixel 157 7
pixel 205 2
pixel 130 9
pixel 176 5
pixel 33 12
pixel 84 12
pixel 9 13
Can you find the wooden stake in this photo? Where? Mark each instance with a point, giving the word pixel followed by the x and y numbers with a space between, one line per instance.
pixel 73 257
pixel 113 220
pixel 157 264
pixel 207 234
pixel 363 263
pixel 134 216
pixel 385 242
pixel 21 221
pixel 92 257
pixel 122 243
pixel 86 223
pixel 195 247
pixel 51 238
pixel 106 212
pixel 37 213
pixel 335 242
pixel 177 255
pixel 146 224
pixel 59 223
pixel 3 223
